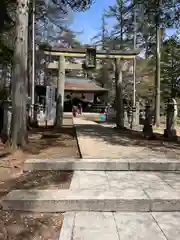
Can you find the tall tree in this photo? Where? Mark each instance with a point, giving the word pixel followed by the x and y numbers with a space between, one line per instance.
pixel 19 81
pixel 170 71
pixel 68 39
pixel 117 11
pixel 153 18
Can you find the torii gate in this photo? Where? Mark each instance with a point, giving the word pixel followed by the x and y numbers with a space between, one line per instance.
pixel 81 53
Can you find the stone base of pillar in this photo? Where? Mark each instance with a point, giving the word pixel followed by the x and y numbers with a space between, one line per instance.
pixel 148 132
pixel 125 116
pixel 135 117
pixel 118 127
pixel 170 134
pixel 133 122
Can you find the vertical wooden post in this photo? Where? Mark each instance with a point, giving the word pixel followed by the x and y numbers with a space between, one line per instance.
pixel 119 95
pixel 158 65
pixel 60 92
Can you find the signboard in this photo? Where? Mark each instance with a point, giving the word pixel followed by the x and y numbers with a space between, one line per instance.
pixel 89 97
pixel 90 57
pixel 50 103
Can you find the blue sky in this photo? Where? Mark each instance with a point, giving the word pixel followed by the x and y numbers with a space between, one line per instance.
pixel 89 22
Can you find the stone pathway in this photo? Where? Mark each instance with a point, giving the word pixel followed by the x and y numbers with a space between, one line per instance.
pixel 102 141
pixel 121 226
pixel 147 182
pixel 134 200
pixel 98 142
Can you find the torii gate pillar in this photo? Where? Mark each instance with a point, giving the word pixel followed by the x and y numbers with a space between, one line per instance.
pixel 60 91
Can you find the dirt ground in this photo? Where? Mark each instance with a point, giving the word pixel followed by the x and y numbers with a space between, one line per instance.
pixel 46 143
pixel 37 180
pixel 162 127
pixel 170 148
pixel 27 226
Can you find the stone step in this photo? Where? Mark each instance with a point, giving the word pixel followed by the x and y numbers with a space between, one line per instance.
pixel 130 200
pixel 103 164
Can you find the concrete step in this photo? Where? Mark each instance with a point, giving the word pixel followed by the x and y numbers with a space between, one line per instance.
pixel 129 200
pixel 103 164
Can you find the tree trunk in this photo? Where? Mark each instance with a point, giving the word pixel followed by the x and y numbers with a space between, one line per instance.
pixel 29 61
pixel 158 67
pixel 19 76
pixel 119 95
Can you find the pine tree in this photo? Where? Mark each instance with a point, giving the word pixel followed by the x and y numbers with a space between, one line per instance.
pixel 170 68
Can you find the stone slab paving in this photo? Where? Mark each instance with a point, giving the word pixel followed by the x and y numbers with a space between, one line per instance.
pixel 169 223
pixel 162 187
pixel 97 225
pixel 93 141
pixel 103 149
pixel 104 191
pixel 121 180
pixel 121 226
pixel 97 141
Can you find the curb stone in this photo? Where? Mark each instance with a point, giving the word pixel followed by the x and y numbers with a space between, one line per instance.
pixel 88 164
pixel 66 232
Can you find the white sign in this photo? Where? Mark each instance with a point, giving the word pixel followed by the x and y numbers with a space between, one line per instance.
pixel 50 102
pixel 175 108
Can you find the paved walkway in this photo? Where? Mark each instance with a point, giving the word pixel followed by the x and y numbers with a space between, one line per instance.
pixel 121 226
pixel 130 189
pixel 149 183
pixel 101 141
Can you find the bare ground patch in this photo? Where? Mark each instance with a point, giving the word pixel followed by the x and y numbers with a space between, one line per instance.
pixel 16 225
pixel 171 149
pixel 44 143
pixel 38 180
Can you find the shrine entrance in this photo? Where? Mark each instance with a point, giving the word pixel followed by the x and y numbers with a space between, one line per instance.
pixel 90 55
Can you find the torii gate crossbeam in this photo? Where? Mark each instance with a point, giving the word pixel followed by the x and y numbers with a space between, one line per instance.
pixel 100 54
pixel 80 53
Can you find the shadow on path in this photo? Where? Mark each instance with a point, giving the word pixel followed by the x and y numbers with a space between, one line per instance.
pixel 128 138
